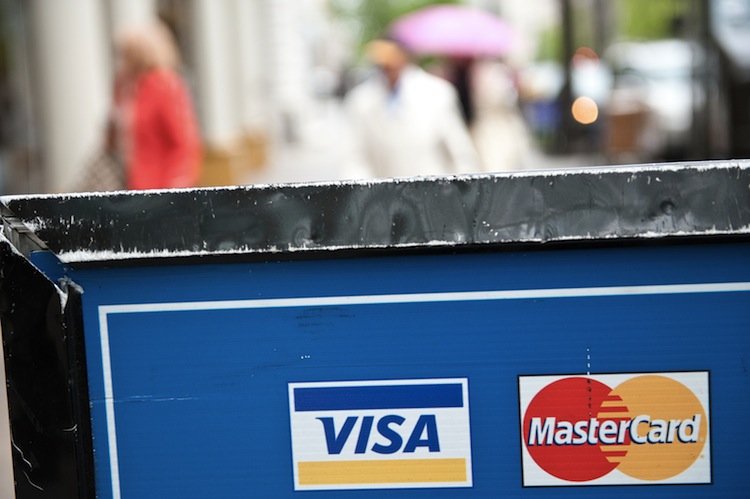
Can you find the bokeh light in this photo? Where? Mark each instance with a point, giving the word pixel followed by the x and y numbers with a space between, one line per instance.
pixel 585 110
pixel 585 55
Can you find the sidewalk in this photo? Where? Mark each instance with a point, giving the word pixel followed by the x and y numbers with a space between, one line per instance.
pixel 315 156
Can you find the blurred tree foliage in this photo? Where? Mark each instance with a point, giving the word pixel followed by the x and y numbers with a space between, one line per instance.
pixel 550 40
pixel 371 18
pixel 550 44
pixel 633 20
pixel 651 19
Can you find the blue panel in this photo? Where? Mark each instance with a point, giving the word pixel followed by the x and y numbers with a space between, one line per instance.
pixel 49 264
pixel 199 385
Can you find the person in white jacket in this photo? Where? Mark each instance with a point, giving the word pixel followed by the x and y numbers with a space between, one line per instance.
pixel 406 122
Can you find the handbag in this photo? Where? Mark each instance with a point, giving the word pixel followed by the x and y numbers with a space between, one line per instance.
pixel 103 172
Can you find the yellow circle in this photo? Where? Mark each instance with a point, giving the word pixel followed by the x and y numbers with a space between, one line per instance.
pixel 674 415
pixel 585 110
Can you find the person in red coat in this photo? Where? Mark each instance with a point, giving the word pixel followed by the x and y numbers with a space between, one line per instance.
pixel 152 125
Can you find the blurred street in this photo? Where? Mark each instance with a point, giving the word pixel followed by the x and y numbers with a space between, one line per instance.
pixel 270 91
pixel 317 155
pixel 569 83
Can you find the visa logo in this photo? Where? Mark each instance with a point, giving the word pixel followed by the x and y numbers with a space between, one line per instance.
pixel 424 434
pixel 380 434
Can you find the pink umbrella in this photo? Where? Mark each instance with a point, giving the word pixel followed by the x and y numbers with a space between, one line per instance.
pixel 453 30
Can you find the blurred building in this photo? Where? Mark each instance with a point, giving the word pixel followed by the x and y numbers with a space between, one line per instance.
pixel 247 63
pixel 728 78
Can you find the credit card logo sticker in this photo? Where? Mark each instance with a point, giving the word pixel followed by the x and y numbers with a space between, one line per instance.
pixel 380 434
pixel 616 429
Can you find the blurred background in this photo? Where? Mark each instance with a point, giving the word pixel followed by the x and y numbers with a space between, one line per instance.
pixel 575 83
pixel 581 82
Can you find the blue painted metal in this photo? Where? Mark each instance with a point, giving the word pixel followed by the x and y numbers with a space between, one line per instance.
pixel 201 356
pixel 152 349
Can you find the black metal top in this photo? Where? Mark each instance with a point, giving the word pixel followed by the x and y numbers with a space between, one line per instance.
pixel 42 321
pixel 586 205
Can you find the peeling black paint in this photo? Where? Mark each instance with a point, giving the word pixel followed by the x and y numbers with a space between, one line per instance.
pixel 591 204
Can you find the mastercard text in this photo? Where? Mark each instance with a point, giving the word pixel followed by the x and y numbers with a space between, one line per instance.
pixel 638 430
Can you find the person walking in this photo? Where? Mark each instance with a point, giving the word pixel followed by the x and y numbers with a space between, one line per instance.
pixel 405 121
pixel 152 125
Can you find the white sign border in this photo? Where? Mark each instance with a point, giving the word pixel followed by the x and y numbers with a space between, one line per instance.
pixel 464 381
pixel 541 479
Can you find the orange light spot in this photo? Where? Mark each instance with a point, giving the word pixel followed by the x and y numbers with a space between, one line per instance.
pixel 585 110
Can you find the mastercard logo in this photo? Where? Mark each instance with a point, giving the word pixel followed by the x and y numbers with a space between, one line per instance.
pixel 615 429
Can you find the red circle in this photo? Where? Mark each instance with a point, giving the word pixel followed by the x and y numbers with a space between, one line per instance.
pixel 572 400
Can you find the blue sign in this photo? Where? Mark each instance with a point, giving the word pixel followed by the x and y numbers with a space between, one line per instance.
pixel 399 376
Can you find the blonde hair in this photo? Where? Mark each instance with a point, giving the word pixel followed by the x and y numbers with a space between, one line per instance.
pixel 149 46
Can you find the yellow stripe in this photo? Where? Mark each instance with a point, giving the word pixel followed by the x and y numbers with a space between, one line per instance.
pixel 372 471
pixel 613 415
pixel 614 448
